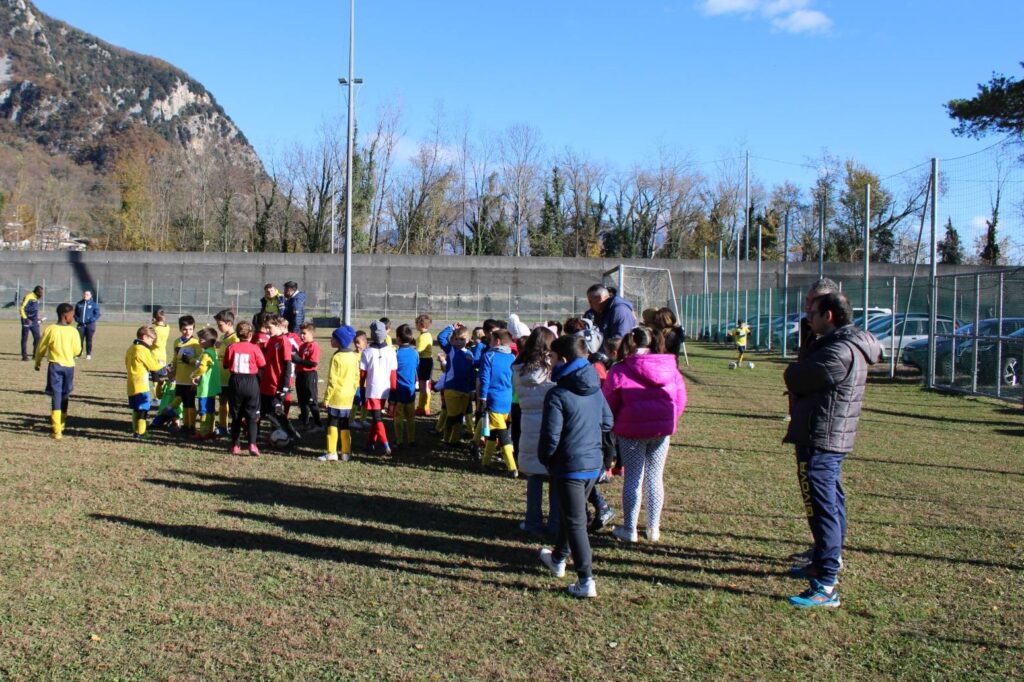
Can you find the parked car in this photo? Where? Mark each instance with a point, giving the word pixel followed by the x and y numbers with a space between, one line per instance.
pixel 915 354
pixel 910 327
pixel 1006 365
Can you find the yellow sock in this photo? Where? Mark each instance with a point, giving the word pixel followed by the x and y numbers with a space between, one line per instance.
pixel 207 427
pixel 410 423
pixel 332 439
pixel 399 423
pixel 489 452
pixel 140 426
pixel 190 417
pixel 223 416
pixel 346 442
pixel 441 419
pixel 510 460
pixel 55 422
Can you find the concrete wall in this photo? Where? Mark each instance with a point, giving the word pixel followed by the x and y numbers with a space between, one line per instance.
pixel 449 287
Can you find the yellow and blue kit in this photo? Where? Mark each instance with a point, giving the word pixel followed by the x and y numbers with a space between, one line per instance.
pixel 425 349
pixel 739 335
pixel 60 345
pixel 140 363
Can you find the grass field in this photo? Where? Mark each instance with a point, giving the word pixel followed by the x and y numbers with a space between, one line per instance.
pixel 127 560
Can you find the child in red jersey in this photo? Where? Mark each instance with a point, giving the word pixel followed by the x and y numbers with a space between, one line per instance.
pixel 244 360
pixel 276 377
pixel 307 361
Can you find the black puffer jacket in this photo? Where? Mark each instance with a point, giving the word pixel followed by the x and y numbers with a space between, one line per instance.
pixel 827 389
pixel 575 416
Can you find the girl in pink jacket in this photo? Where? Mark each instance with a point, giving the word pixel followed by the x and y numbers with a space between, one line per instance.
pixel 646 394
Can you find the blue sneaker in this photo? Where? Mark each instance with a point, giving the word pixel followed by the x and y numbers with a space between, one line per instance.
pixel 815 596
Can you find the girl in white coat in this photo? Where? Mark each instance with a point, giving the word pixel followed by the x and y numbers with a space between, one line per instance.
pixel 531 377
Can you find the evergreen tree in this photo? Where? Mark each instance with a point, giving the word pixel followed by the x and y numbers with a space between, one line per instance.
pixel 549 237
pixel 951 252
pixel 990 252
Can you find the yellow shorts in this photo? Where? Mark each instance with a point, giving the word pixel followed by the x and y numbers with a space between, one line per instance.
pixel 497 421
pixel 456 402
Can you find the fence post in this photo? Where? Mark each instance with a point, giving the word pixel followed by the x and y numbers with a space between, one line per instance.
pixel 892 337
pixel 769 319
pixel 385 299
pixel 124 301
pixel 152 300
pixel 541 321
pixel 42 304
pixel 999 343
pixel 416 302
pixel 208 287
pixel 179 296
pixel 446 318
pixel 237 292
pixel 477 302
pixel 954 316
pixel 71 288
pixel 974 334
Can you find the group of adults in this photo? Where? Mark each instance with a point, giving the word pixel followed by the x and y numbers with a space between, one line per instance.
pixel 87 314
pixel 291 304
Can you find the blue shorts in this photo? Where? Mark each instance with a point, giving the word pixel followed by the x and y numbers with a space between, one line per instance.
pixel 207 405
pixel 140 402
pixel 339 413
pixel 60 381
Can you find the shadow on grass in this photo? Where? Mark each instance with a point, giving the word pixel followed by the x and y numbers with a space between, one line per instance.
pixel 873 550
pixel 937 418
pixel 987 643
pixel 954 467
pixel 1011 432
pixel 742 415
pixel 418 526
pixel 924 500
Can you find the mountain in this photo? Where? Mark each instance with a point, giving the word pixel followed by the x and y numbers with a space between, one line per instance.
pixel 79 97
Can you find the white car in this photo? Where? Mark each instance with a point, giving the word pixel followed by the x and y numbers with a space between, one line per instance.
pixel 910 327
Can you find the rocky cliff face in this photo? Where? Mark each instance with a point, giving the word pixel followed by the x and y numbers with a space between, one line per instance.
pixel 77 96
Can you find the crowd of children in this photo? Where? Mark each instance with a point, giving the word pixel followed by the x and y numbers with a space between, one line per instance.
pixel 545 403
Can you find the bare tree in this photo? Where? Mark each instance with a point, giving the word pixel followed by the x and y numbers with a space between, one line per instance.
pixel 521 153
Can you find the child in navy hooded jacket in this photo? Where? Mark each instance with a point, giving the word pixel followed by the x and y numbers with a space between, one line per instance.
pixel 496 397
pixel 570 446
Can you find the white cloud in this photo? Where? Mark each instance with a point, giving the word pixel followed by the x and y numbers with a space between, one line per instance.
pixel 791 16
pixel 979 223
pixel 803 21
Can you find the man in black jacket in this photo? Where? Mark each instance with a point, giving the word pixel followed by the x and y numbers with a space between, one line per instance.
pixel 826 391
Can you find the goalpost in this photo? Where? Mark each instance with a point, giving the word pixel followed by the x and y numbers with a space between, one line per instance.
pixel 645 288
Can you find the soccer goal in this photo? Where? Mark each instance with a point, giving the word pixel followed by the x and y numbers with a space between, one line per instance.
pixel 645 288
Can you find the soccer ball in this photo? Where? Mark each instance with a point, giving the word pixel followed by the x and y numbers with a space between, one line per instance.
pixel 750 365
pixel 732 365
pixel 279 438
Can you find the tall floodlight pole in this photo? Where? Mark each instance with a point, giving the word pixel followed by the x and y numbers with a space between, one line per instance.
pixel 705 320
pixel 933 305
pixel 757 334
pixel 785 288
pixel 334 217
pixel 737 292
pixel 718 322
pixel 346 312
pixel 867 251
pixel 821 239
pixel 746 205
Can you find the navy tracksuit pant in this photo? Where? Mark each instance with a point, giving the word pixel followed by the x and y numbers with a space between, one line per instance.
pixel 820 474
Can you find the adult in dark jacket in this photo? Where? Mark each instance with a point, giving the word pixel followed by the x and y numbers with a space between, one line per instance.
pixel 87 312
pixel 612 315
pixel 826 390
pixel 271 303
pixel 294 306
pixel 570 446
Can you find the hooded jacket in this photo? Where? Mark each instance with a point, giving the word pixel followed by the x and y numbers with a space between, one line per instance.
pixel 496 379
pixel 575 415
pixel 459 373
pixel 827 389
pixel 646 394
pixel 531 386
pixel 616 319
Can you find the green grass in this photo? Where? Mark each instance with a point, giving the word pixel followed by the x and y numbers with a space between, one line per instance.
pixel 121 560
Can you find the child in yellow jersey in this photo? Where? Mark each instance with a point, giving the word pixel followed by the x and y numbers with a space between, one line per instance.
pixel 425 347
pixel 161 332
pixel 206 379
pixel 225 320
pixel 739 335
pixel 186 351
pixel 60 345
pixel 341 392
pixel 141 364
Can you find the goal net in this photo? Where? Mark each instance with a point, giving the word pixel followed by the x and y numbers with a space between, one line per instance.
pixel 643 287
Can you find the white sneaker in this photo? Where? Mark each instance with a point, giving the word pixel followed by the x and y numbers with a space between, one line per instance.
pixel 653 534
pixel 346 457
pixel 88 357
pixel 583 590
pixel 328 457
pixel 624 535
pixel 557 568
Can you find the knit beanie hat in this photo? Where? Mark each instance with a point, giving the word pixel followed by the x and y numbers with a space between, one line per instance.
pixel 378 332
pixel 344 335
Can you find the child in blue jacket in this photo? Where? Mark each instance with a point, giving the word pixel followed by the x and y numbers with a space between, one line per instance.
pixel 575 417
pixel 496 397
pixel 459 377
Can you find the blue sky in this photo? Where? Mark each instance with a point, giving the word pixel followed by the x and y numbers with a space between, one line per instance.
pixel 613 80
